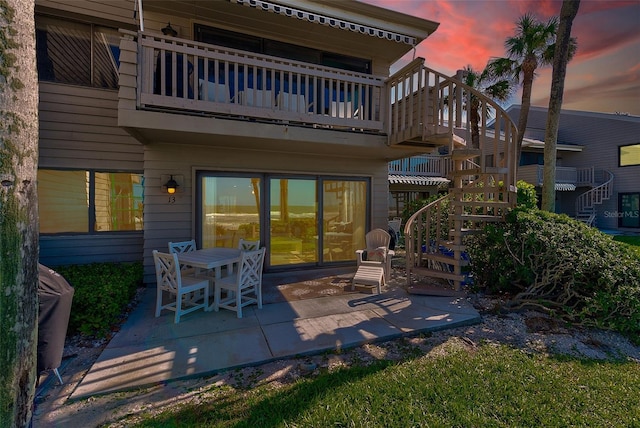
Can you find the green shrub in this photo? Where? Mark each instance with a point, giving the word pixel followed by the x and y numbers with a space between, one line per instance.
pixel 526 197
pixel 102 291
pixel 560 265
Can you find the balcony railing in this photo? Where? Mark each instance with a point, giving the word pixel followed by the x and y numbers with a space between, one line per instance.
pixel 183 75
pixel 424 165
pixel 534 174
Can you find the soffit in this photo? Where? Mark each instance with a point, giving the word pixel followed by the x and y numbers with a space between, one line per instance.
pixel 233 16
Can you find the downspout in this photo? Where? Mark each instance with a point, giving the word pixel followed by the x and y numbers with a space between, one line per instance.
pixel 137 7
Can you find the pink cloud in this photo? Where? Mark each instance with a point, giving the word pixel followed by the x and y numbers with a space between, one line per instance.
pixel 471 32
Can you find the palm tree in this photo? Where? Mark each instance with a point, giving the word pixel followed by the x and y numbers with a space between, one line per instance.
pixel 563 51
pixel 488 84
pixel 533 46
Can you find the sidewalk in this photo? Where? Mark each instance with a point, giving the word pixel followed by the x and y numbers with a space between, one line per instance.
pixel 149 350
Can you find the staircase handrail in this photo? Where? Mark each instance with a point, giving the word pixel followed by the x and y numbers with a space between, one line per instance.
pixel 450 101
pixel 413 231
pixel 597 195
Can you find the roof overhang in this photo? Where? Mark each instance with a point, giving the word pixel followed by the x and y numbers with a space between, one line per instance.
pixel 530 143
pixel 324 16
pixel 346 27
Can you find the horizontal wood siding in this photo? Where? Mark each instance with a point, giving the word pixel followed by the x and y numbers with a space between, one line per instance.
pixel 79 130
pixel 165 221
pixel 85 249
pixel 120 11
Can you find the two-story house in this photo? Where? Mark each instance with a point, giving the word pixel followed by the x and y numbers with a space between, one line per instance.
pixel 219 120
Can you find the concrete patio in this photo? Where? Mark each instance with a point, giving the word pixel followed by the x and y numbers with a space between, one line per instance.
pixel 149 350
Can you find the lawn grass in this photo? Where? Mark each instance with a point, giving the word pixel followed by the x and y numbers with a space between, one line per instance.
pixel 490 386
pixel 631 240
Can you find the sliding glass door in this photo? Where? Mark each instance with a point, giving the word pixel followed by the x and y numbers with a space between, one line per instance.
pixel 293 221
pixel 229 209
pixel 302 220
pixel 344 216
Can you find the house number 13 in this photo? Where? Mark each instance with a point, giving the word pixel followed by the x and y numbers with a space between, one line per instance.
pixel 172 199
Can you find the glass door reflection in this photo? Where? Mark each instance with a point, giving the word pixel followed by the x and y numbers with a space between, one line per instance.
pixel 293 221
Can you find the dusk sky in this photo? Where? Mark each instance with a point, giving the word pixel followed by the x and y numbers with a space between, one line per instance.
pixel 604 76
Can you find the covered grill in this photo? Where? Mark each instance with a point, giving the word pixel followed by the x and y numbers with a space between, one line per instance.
pixel 55 295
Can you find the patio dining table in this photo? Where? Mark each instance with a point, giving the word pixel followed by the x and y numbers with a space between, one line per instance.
pixel 211 259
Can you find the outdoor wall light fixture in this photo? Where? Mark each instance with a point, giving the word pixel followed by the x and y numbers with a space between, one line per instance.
pixel 169 30
pixel 171 185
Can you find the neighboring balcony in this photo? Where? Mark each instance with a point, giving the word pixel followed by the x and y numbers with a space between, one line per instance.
pixel 423 166
pixel 172 75
pixel 567 178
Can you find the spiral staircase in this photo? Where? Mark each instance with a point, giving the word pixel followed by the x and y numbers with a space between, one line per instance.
pixel 430 109
pixel 586 202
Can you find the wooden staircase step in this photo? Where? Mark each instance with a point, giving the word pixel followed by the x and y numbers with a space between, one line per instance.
pixel 464 172
pixel 442 258
pixel 477 217
pixel 452 246
pixel 464 232
pixel 434 273
pixel 488 204
pixel 464 154
pixel 459 190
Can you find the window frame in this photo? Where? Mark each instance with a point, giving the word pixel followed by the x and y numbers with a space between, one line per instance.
pixel 265 202
pixel 94 44
pixel 620 155
pixel 91 208
pixel 621 213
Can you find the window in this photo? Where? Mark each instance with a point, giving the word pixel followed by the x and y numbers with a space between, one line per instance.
pixel 629 210
pixel 89 201
pixel 76 53
pixel 629 155
pixel 531 158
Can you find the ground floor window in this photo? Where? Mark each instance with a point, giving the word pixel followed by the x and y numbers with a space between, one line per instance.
pixel 629 210
pixel 86 201
pixel 301 220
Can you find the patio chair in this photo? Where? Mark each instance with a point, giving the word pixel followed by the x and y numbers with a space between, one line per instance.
pixel 262 98
pixel 246 245
pixel 244 287
pixel 181 288
pixel 394 225
pixel 344 109
pixel 181 247
pixel 377 251
pixel 213 91
pixel 292 102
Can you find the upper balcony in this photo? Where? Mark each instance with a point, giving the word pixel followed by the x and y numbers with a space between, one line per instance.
pixel 177 75
pixel 172 87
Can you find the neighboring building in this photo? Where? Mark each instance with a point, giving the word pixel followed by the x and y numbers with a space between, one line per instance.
pixel 598 165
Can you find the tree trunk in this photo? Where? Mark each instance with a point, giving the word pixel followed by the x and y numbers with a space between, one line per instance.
pixel 18 212
pixel 528 73
pixel 561 58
